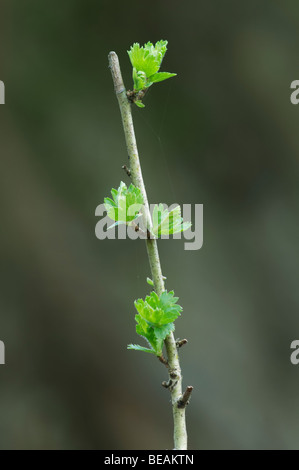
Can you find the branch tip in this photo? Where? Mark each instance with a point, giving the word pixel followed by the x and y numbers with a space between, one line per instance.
pixel 181 342
pixel 116 73
pixel 184 400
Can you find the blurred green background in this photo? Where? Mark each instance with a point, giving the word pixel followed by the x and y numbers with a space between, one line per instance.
pixel 222 133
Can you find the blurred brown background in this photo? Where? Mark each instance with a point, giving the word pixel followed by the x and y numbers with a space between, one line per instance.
pixel 222 133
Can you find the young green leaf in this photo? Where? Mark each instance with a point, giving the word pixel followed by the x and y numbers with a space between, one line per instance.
pixel 158 311
pixel 136 347
pixel 162 332
pixel 126 204
pixel 116 224
pixel 139 104
pixel 147 58
pixel 155 319
pixel 146 331
pixel 146 61
pixel 139 79
pixel 159 77
pixel 168 222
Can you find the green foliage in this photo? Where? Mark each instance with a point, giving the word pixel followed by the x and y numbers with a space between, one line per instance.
pixel 158 311
pixel 155 320
pixel 168 222
pixel 150 282
pixel 126 204
pixel 139 104
pixel 148 58
pixel 146 61
pixel 140 348
pixel 148 332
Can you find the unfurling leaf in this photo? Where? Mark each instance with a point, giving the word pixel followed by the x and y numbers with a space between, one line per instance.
pixel 167 222
pixel 159 77
pixel 146 61
pixel 148 332
pixel 136 347
pixel 139 104
pixel 158 311
pixel 147 58
pixel 150 282
pixel 139 79
pixel 126 204
pixel 155 318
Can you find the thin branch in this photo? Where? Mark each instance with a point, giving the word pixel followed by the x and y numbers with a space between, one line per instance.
pixel 181 342
pixel 166 384
pixel 184 400
pixel 170 384
pixel 163 360
pixel 180 432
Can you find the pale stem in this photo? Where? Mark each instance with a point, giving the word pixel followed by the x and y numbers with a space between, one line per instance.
pixel 175 376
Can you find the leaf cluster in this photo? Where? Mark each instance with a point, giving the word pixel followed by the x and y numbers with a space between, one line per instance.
pixel 155 320
pixel 167 222
pixel 146 61
pixel 125 205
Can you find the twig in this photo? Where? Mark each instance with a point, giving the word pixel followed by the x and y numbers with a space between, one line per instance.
pixel 180 432
pixel 184 400
pixel 166 384
pixel 163 360
pixel 181 342
pixel 126 169
pixel 170 384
